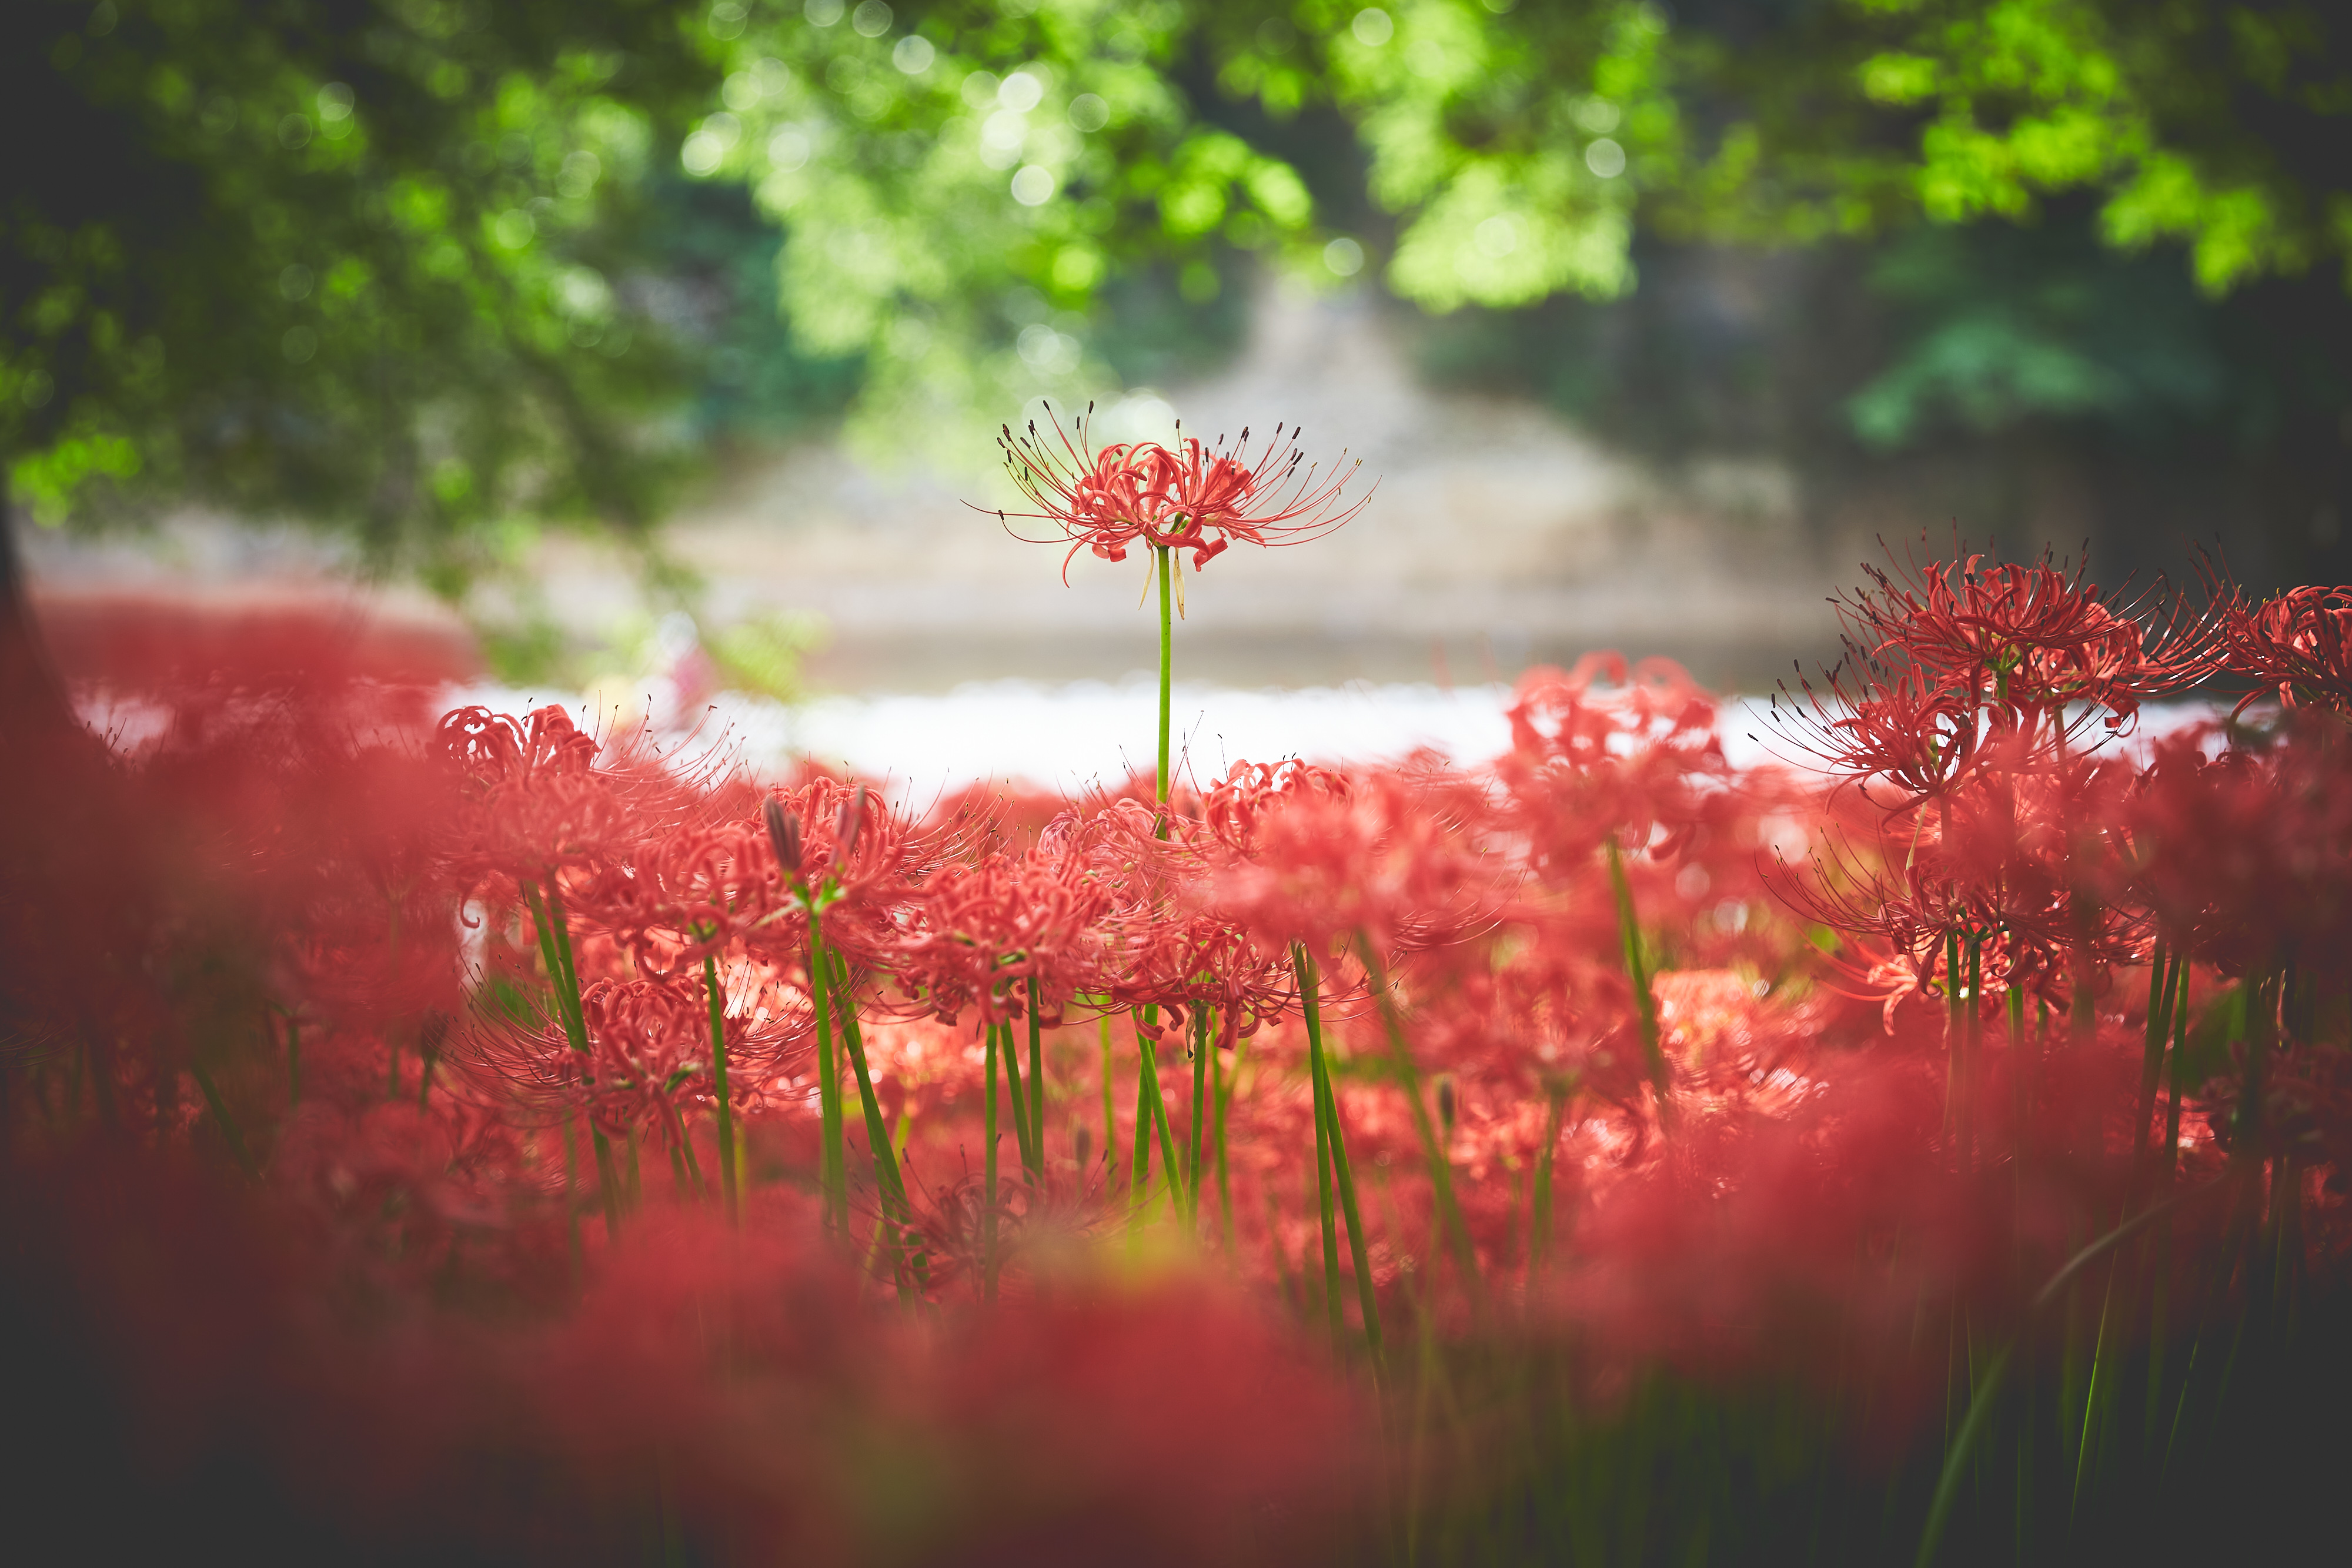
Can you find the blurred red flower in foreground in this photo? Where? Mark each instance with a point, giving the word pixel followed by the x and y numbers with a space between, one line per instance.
pixel 341 1055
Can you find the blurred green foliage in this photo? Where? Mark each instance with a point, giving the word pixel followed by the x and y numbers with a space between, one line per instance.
pixel 352 260
pixel 435 270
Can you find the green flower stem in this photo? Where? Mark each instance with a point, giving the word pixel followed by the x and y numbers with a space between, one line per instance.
pixel 2099 1396
pixel 432 1059
pixel 1972 1066
pixel 1221 1091
pixel 1441 1168
pixel 1019 1100
pixel 1138 1165
pixel 2159 1000
pixel 1198 1132
pixel 1110 1104
pixel 562 924
pixel 1539 1217
pixel 886 1177
pixel 555 952
pixel 1358 1243
pixel 719 1082
pixel 2172 1071
pixel 988 1178
pixel 1150 1118
pixel 1645 1005
pixel 833 1182
pixel 1325 1204
pixel 293 1060
pixel 1037 1078
pixel 1952 1039
pixel 1956 1459
pixel 1159 1125
pixel 1167 668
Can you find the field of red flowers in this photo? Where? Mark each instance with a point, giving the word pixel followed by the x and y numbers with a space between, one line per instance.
pixel 466 1137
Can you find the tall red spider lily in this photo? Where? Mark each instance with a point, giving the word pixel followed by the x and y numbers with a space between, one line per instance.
pixel 1192 497
pixel 2298 645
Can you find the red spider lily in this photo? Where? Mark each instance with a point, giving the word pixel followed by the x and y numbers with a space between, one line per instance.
pixel 1183 965
pixel 536 801
pixel 1910 728
pixel 1192 497
pixel 1396 860
pixel 1640 763
pixel 684 895
pixel 2298 644
pixel 2005 861
pixel 648 1059
pixel 1572 716
pixel 978 934
pixel 1553 1013
pixel 858 852
pixel 2031 639
pixel 1214 498
pixel 1235 805
pixel 2248 856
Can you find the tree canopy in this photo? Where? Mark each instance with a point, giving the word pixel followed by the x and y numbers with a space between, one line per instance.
pixel 414 267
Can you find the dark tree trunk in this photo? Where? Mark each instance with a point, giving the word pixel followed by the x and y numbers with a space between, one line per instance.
pixel 34 715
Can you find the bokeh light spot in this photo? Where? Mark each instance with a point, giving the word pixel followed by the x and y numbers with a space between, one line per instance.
pixel 1034 185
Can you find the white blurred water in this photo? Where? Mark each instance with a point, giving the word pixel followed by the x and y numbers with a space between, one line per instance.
pixel 1071 737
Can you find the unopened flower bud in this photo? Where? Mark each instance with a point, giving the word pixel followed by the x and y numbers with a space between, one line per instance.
pixel 784 833
pixel 1445 1107
pixel 845 826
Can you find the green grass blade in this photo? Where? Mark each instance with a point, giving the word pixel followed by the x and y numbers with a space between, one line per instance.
pixel 1956 1458
pixel 230 1132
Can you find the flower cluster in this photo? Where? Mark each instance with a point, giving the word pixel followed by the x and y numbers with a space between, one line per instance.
pixel 701 1079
